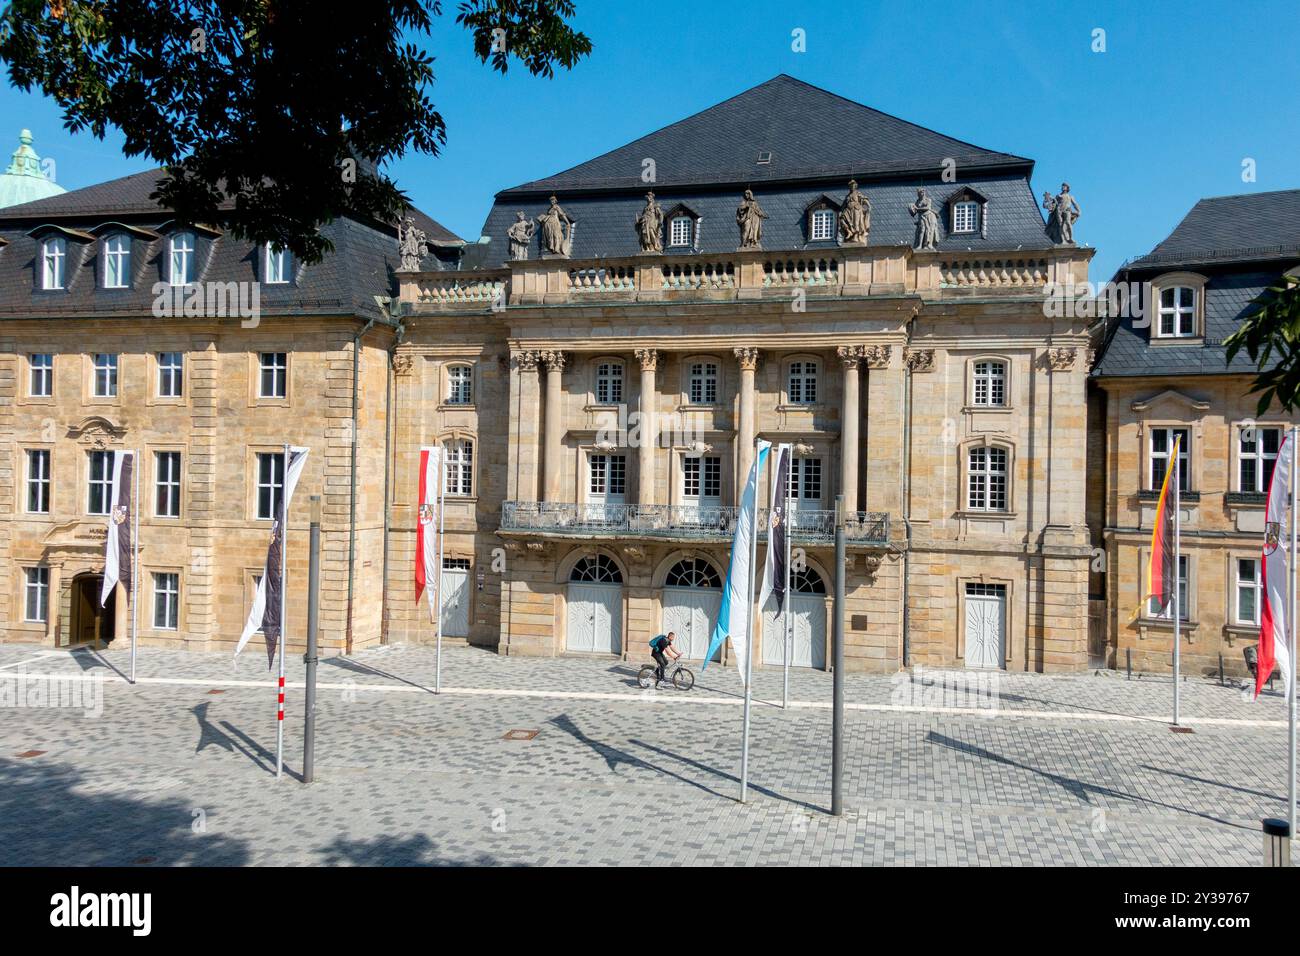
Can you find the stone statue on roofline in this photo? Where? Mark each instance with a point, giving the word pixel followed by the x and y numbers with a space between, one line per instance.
pixel 557 230
pixel 412 245
pixel 520 235
pixel 649 225
pixel 749 217
pixel 1062 214
pixel 855 215
pixel 927 222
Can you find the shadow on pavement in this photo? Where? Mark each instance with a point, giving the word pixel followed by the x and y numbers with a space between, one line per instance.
pixel 388 850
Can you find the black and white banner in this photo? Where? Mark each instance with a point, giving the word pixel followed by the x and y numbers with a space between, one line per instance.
pixel 118 565
pixel 268 604
pixel 774 570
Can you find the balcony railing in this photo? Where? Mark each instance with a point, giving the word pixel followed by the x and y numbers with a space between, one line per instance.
pixel 716 523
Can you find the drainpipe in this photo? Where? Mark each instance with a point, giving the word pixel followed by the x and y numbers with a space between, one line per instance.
pixel 352 482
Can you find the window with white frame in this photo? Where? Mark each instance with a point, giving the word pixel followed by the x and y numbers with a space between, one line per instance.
pixel 990 383
pixel 99 483
pixel 38 481
pixel 460 385
pixel 1162 446
pixel 274 378
pixel 805 482
pixel 105 375
pixel 702 479
pixel 166 600
pixel 702 387
pixel 1256 455
pixel 171 374
pixel 54 262
pixel 1177 312
pixel 607 481
pixel 270 484
pixel 36 603
pixel 609 383
pixel 41 383
pixel 1167 613
pixel 117 261
pixel 181 270
pixel 276 271
pixel 986 479
pixel 167 484
pixel 459 453
pixel 679 231
pixel 823 225
pixel 1250 591
pixel 965 216
pixel 802 383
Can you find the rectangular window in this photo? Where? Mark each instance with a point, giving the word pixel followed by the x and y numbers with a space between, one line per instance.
pixel 38 481
pixel 100 483
pixel 270 484
pixel 986 479
pixel 703 388
pixel 803 383
pixel 117 262
pixel 990 384
pixel 277 265
pixel 105 384
pixel 460 385
pixel 1250 590
pixel 609 383
pixel 702 478
pixel 1167 613
pixel 54 260
pixel 680 231
pixel 275 375
pixel 182 259
pixel 36 606
pixel 1256 456
pixel 1162 446
pixel 167 484
pixel 1177 312
pixel 823 225
pixel 965 217
pixel 171 372
pixel 41 384
pixel 608 476
pixel 166 600
pixel 805 481
pixel 460 467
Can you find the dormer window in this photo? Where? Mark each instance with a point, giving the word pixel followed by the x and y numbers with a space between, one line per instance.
pixel 680 231
pixel 117 261
pixel 822 226
pixel 965 216
pixel 54 261
pixel 1177 312
pixel 277 265
pixel 182 259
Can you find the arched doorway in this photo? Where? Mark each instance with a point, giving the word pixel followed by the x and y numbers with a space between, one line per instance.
pixel 807 623
pixel 595 606
pixel 89 623
pixel 692 595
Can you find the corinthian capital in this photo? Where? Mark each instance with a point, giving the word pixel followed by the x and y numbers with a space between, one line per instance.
pixel 1062 360
pixel 747 357
pixel 526 360
pixel 850 355
pixel 553 359
pixel 649 359
pixel 878 356
pixel 919 360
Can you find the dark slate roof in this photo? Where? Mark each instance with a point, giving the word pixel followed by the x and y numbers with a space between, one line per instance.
pixel 344 283
pixel 1249 227
pixel 809 132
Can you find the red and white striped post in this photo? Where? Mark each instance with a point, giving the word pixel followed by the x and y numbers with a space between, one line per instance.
pixel 284 548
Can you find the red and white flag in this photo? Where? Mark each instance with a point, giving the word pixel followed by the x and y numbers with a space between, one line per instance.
pixel 426 529
pixel 1274 631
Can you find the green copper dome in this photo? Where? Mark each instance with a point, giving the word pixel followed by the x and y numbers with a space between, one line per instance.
pixel 23 181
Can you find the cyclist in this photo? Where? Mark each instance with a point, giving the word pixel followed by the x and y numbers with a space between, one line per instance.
pixel 661 646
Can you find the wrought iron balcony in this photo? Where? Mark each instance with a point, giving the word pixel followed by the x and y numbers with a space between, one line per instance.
pixel 681 522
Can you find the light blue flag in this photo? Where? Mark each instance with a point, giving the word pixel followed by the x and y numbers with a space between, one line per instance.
pixel 737 595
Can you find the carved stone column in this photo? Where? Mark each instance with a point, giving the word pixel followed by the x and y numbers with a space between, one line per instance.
pixel 525 437
pixel 1067 451
pixel 748 359
pixel 553 459
pixel 647 430
pixel 55 603
pixel 849 355
pixel 884 431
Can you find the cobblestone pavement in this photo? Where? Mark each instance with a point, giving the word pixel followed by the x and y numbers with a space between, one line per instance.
pixel 1023 770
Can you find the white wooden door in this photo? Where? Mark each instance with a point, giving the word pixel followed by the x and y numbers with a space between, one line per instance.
pixel 692 614
pixel 595 620
pixel 455 598
pixel 807 633
pixel 986 615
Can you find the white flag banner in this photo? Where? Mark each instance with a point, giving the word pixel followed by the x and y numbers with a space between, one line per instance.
pixel 117 548
pixel 427 574
pixel 1275 617
pixel 268 602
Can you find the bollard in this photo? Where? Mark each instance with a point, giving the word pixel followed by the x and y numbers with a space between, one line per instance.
pixel 1128 656
pixel 1277 842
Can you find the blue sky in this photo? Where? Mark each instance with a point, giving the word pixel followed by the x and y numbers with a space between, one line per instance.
pixel 1182 95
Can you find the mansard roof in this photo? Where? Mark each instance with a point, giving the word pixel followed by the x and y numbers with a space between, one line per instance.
pixel 1244 228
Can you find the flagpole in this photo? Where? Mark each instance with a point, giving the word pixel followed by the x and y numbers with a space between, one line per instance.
pixel 442 528
pixel 284 587
pixel 1178 610
pixel 785 605
pixel 749 631
pixel 1291 584
pixel 135 554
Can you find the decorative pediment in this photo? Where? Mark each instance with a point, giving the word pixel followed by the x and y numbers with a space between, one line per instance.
pixel 96 430
pixel 76 535
pixel 824 201
pixel 966 194
pixel 680 209
pixel 50 228
pixel 1170 397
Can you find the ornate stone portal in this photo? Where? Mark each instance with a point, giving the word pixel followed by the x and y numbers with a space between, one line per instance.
pixel 649 225
pixel 749 217
pixel 557 230
pixel 520 235
pixel 855 215
pixel 927 222
pixel 1062 214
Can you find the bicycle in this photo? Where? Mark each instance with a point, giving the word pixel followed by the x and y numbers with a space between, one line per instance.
pixel 681 678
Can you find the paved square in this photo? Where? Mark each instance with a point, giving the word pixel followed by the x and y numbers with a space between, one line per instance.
pixel 178 769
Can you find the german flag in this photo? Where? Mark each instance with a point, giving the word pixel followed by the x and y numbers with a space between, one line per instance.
pixel 1161 577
